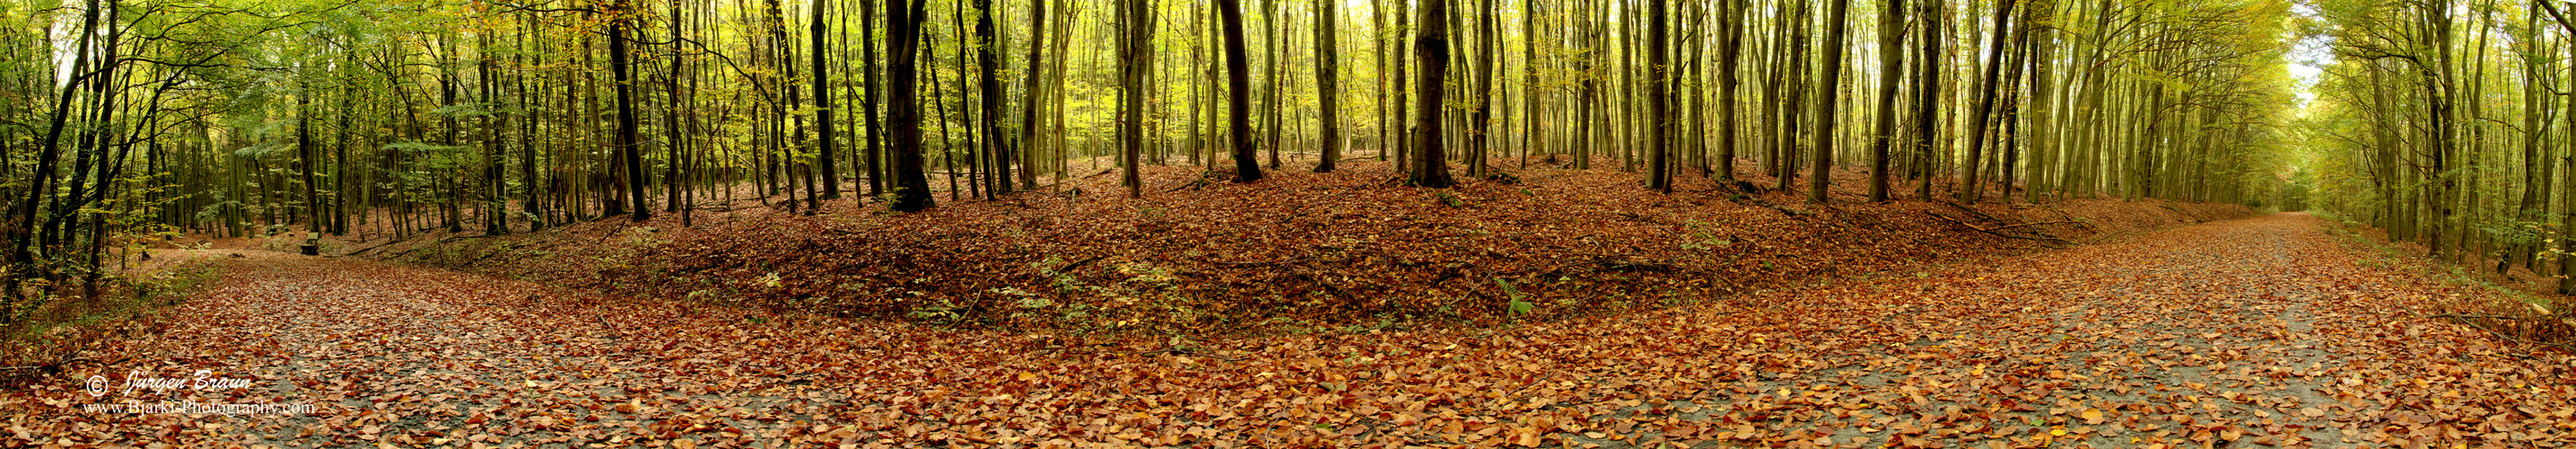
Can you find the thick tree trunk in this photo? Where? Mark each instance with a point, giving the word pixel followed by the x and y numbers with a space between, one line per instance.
pixel 619 64
pixel 1238 80
pixel 903 107
pixel 1431 51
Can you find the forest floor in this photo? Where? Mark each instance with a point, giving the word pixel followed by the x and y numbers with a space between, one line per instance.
pixel 1296 252
pixel 2246 333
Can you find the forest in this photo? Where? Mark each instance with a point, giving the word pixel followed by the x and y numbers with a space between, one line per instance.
pixel 1268 223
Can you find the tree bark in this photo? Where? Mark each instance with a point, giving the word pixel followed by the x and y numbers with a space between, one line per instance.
pixel 1891 30
pixel 1659 95
pixel 1328 85
pixel 1238 81
pixel 620 65
pixel 1135 59
pixel 1030 94
pixel 903 107
pixel 1826 96
pixel 1985 105
pixel 1431 51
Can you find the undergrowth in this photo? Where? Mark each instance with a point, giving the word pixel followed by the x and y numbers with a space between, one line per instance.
pixel 2507 311
pixel 54 326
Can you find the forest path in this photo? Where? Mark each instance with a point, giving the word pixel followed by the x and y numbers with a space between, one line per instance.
pixel 407 356
pixel 2253 333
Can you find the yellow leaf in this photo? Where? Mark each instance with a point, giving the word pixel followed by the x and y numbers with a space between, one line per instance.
pixel 2092 416
pixel 2060 431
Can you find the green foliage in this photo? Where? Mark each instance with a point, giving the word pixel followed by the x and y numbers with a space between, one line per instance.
pixel 1517 306
pixel 1703 236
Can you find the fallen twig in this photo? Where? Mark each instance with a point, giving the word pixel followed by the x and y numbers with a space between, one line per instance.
pixel 2044 238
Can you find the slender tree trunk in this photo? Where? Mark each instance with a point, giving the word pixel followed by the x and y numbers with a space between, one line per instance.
pixel 1891 57
pixel 1135 59
pixel 1659 96
pixel 997 148
pixel 1927 97
pixel 1730 86
pixel 1031 93
pixel 827 163
pixel 1985 105
pixel 1828 95
pixel 1532 141
pixel 1328 84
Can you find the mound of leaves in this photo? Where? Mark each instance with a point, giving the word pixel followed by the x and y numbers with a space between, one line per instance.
pixel 1342 249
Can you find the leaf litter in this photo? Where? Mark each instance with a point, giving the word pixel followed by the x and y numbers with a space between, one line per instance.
pixel 2245 332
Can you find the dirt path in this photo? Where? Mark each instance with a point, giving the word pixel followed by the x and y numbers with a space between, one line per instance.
pixel 2248 333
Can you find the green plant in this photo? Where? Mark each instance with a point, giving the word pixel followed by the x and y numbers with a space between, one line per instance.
pixel 945 313
pixel 1517 305
pixel 1702 237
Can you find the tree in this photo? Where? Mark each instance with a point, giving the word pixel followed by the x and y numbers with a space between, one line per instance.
pixel 1730 81
pixel 1031 93
pixel 1891 36
pixel 1825 101
pixel 903 109
pixel 1328 86
pixel 1659 95
pixel 1984 118
pixel 996 148
pixel 628 144
pixel 1431 50
pixel 831 173
pixel 1927 96
pixel 1135 58
pixel 1238 81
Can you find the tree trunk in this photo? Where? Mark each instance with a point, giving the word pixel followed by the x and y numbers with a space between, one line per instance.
pixel 1031 92
pixel 1827 94
pixel 1431 51
pixel 1891 35
pixel 1135 58
pixel 1927 97
pixel 626 122
pixel 1984 117
pixel 826 164
pixel 1659 95
pixel 997 149
pixel 1238 81
pixel 903 107
pixel 1328 85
